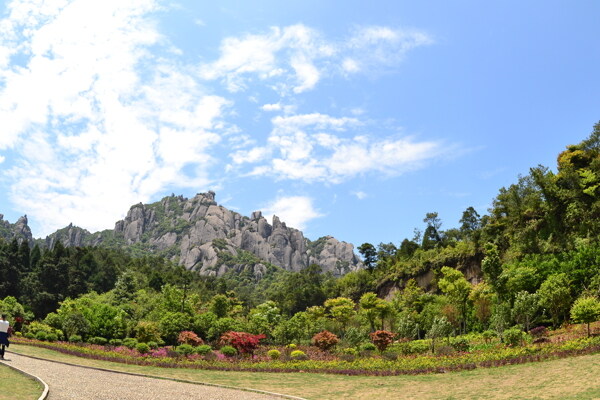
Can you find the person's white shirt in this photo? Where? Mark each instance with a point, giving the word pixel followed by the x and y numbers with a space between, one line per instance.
pixel 4 326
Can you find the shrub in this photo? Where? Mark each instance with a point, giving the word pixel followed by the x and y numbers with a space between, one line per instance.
pixel 147 331
pixel 189 337
pixel 98 340
pixel 185 349
pixel 130 342
pixel 51 337
pixel 29 335
pixel 368 347
pixel 274 354
pixel 243 342
pixel 412 347
pixel 390 355
pixel 41 335
pixel 444 350
pixel 228 351
pixel 488 336
pixel 115 342
pixel 514 337
pixel 382 339
pixel 350 350
pixel 203 349
pixel 142 348
pixel 325 340
pixel 291 346
pixel 75 339
pixel 460 344
pixel 153 345
pixel 538 331
pixel 298 355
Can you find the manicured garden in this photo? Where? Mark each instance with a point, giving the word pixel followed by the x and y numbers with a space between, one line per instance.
pixel 240 351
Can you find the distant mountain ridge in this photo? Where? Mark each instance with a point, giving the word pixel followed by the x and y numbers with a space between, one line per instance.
pixel 206 237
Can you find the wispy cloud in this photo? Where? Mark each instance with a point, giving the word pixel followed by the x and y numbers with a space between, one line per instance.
pixel 297 57
pixel 318 147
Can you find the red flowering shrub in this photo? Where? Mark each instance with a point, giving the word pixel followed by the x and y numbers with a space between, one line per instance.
pixel 243 342
pixel 325 340
pixel 189 337
pixel 382 339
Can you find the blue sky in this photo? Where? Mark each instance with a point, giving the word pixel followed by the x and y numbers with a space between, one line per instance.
pixel 346 118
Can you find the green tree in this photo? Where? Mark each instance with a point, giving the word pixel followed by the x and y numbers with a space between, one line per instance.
pixel 454 284
pixel 440 328
pixel 586 310
pixel 373 307
pixel 555 296
pixel 369 253
pixel 526 308
pixel 341 310
pixel 491 266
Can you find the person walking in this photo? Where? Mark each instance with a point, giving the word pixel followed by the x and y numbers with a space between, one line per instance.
pixel 4 329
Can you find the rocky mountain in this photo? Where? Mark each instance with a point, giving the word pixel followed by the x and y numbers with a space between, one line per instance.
pixel 19 229
pixel 208 238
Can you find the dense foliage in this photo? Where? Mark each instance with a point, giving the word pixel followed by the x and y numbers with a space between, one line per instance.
pixel 533 260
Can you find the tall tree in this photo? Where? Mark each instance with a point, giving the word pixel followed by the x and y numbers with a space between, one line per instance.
pixel 369 253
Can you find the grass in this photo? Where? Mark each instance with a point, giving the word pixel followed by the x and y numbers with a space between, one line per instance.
pixel 569 378
pixel 16 386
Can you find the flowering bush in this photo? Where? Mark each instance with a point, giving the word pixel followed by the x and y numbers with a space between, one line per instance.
pixel 382 339
pixel 189 337
pixel 325 340
pixel 243 342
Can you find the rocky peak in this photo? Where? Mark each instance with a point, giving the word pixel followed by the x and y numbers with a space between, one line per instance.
pixel 211 239
pixel 19 230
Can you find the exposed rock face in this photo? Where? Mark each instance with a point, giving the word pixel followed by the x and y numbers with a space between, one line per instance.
pixel 19 230
pixel 471 269
pixel 211 239
pixel 73 236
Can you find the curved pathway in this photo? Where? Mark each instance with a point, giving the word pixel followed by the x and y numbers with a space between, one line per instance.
pixel 72 382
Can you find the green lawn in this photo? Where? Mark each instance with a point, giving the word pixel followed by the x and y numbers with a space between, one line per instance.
pixel 16 386
pixel 570 378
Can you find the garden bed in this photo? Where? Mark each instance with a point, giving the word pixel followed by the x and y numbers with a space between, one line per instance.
pixel 326 362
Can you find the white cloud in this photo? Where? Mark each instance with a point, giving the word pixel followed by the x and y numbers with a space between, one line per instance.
pixel 296 57
pixel 295 211
pixel 272 107
pixel 99 122
pixel 360 195
pixel 2 159
pixel 318 147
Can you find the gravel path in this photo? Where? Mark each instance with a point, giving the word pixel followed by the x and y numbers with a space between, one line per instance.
pixel 70 382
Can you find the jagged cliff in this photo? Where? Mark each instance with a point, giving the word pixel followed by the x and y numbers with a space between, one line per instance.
pixel 206 237
pixel 19 229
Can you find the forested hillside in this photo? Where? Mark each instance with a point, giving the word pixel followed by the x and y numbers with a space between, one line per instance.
pixel 525 263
